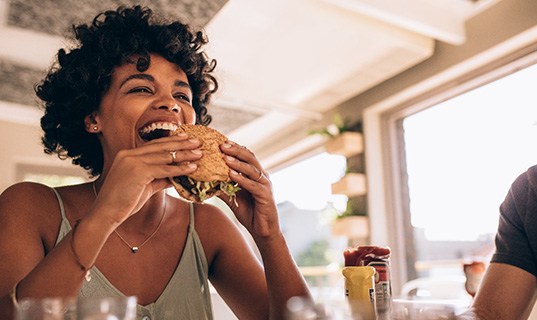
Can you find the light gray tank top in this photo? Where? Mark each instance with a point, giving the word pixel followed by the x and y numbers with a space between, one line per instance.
pixel 187 294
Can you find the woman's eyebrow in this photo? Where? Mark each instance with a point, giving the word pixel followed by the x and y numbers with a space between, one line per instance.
pixel 142 76
pixel 183 84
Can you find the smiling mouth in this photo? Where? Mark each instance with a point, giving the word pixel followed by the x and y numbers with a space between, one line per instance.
pixel 157 130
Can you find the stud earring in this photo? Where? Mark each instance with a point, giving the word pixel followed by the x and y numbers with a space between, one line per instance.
pixel 95 128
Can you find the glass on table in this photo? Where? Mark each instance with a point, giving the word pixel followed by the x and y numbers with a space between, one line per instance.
pixel 299 308
pixel 46 309
pixel 109 308
pixel 407 309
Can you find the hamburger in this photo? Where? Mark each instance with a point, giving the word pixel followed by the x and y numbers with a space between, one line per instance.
pixel 211 178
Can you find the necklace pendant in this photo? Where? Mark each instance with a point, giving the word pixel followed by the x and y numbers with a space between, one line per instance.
pixel 134 249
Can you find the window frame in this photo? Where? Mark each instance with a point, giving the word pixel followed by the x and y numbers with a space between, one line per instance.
pixel 388 194
pixel 22 169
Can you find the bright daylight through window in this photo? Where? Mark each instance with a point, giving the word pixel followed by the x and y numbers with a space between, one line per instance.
pixel 462 156
pixel 307 207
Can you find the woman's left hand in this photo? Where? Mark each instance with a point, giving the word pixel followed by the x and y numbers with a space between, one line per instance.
pixel 255 207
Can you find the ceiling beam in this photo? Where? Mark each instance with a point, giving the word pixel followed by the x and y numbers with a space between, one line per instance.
pixel 29 48
pixel 430 18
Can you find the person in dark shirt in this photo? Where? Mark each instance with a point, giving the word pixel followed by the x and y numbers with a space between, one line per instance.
pixel 508 289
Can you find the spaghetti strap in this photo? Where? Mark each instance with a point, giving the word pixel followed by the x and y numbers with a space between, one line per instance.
pixel 191 223
pixel 65 227
pixel 60 201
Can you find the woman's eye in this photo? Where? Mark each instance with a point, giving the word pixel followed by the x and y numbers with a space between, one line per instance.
pixel 140 89
pixel 183 97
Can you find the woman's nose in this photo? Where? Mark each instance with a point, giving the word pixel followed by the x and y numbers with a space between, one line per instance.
pixel 174 107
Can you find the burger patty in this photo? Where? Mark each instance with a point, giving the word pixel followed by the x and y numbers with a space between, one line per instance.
pixel 185 182
pixel 203 189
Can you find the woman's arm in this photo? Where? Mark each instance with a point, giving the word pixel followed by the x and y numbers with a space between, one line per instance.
pixel 283 276
pixel 234 270
pixel 135 175
pixel 256 210
pixel 253 290
pixel 25 211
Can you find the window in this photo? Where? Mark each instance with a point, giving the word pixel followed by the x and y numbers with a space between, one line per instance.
pixel 449 158
pixel 307 208
pixel 462 155
pixel 307 184
pixel 52 176
pixel 53 180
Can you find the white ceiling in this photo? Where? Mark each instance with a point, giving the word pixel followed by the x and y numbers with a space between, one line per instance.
pixel 296 60
pixel 299 59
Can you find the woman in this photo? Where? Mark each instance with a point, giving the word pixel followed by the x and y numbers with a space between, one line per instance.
pixel 121 234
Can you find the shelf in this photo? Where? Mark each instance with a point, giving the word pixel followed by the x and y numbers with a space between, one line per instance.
pixel 351 227
pixel 346 144
pixel 352 184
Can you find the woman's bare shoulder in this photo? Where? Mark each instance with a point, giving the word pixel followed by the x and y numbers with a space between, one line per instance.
pixel 217 229
pixel 209 215
pixel 25 200
pixel 25 191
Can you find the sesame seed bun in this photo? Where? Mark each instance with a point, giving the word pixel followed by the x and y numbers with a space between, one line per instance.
pixel 211 166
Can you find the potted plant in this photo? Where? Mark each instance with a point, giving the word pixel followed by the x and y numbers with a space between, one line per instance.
pixel 344 138
pixel 353 222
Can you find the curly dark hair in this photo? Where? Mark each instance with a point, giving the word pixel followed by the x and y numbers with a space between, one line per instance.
pixel 73 88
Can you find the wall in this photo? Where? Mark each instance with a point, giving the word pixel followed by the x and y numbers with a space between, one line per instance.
pixel 21 144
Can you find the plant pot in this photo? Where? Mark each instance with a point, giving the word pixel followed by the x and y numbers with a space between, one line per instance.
pixel 346 144
pixel 352 184
pixel 351 227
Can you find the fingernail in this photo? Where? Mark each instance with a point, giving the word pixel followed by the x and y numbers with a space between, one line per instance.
pixel 196 151
pixel 193 140
pixel 192 165
pixel 233 172
pixel 181 135
pixel 230 158
pixel 227 145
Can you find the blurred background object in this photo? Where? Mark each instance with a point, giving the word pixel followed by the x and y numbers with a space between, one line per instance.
pixel 474 272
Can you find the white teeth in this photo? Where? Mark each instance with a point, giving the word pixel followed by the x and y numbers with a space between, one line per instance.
pixel 159 125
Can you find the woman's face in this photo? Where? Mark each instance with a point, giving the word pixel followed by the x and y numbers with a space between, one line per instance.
pixel 137 103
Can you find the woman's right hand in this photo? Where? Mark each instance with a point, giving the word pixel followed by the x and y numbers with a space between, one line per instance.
pixel 136 174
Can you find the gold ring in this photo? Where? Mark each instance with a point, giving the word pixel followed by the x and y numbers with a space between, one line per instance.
pixel 261 175
pixel 173 155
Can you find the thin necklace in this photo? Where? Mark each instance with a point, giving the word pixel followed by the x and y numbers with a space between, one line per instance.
pixel 135 249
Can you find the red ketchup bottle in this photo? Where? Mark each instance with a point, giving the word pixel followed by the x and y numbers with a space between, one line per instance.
pixel 378 258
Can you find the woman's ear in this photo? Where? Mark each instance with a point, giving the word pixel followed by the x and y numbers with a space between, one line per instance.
pixel 91 123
